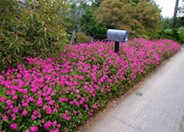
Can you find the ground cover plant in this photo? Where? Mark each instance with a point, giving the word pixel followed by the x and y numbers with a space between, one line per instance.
pixel 59 94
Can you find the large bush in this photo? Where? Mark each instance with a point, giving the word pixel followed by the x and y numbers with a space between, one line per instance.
pixel 31 28
pixel 58 94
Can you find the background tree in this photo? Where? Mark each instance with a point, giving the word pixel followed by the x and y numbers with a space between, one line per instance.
pixel 166 23
pixel 139 18
pixel 175 13
pixel 89 26
pixel 80 21
pixel 72 18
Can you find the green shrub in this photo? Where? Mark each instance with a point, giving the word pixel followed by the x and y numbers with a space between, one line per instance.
pixel 181 34
pixel 165 34
pixel 174 34
pixel 82 38
pixel 30 29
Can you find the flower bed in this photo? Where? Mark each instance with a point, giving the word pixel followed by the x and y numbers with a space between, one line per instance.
pixel 59 94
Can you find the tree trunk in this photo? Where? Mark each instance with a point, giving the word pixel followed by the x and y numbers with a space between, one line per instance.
pixel 74 37
pixel 175 13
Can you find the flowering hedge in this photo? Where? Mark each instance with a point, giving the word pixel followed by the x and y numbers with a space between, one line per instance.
pixel 59 94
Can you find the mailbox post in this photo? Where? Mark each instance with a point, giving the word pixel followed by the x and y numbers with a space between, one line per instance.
pixel 117 36
pixel 116 47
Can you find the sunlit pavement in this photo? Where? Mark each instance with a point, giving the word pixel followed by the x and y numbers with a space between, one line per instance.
pixel 156 106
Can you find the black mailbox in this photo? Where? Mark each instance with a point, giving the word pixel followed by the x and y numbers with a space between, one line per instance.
pixel 117 36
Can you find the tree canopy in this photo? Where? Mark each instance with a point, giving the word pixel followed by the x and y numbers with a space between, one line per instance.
pixel 138 17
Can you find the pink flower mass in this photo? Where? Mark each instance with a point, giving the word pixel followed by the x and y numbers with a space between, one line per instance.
pixel 24 112
pixel 39 101
pixel 54 93
pixel 34 128
pixel 13 126
pixel 47 125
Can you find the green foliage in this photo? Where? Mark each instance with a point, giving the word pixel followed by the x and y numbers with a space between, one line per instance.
pixel 179 22
pixel 171 33
pixel 82 38
pixel 73 15
pixel 30 29
pixel 174 34
pixel 166 23
pixel 80 17
pixel 167 33
pixel 139 19
pixel 181 34
pixel 90 27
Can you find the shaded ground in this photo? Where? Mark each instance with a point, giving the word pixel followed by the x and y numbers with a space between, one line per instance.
pixel 154 105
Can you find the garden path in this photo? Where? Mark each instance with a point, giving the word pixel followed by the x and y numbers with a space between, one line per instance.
pixel 155 105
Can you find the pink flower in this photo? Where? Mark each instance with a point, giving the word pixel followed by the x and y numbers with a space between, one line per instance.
pixel 35 112
pixel 33 117
pixel 86 107
pixel 56 130
pixel 54 123
pixel 13 117
pixel 15 97
pixel 13 126
pixel 56 105
pixel 34 128
pixel 75 112
pixel 39 101
pixel 40 115
pixel 31 99
pixel 13 92
pixel 19 75
pixel 5 118
pixel 71 102
pixel 24 91
pixel 90 114
pixel 48 98
pixel 66 99
pixel 2 99
pixel 47 125
pixel 62 82
pixel 94 106
pixel 48 110
pixel 25 104
pixel 24 112
pixel 8 102
pixel 58 125
pixel 15 110
pixel 66 116
pixel 51 102
pixel 55 110
pixel 63 100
